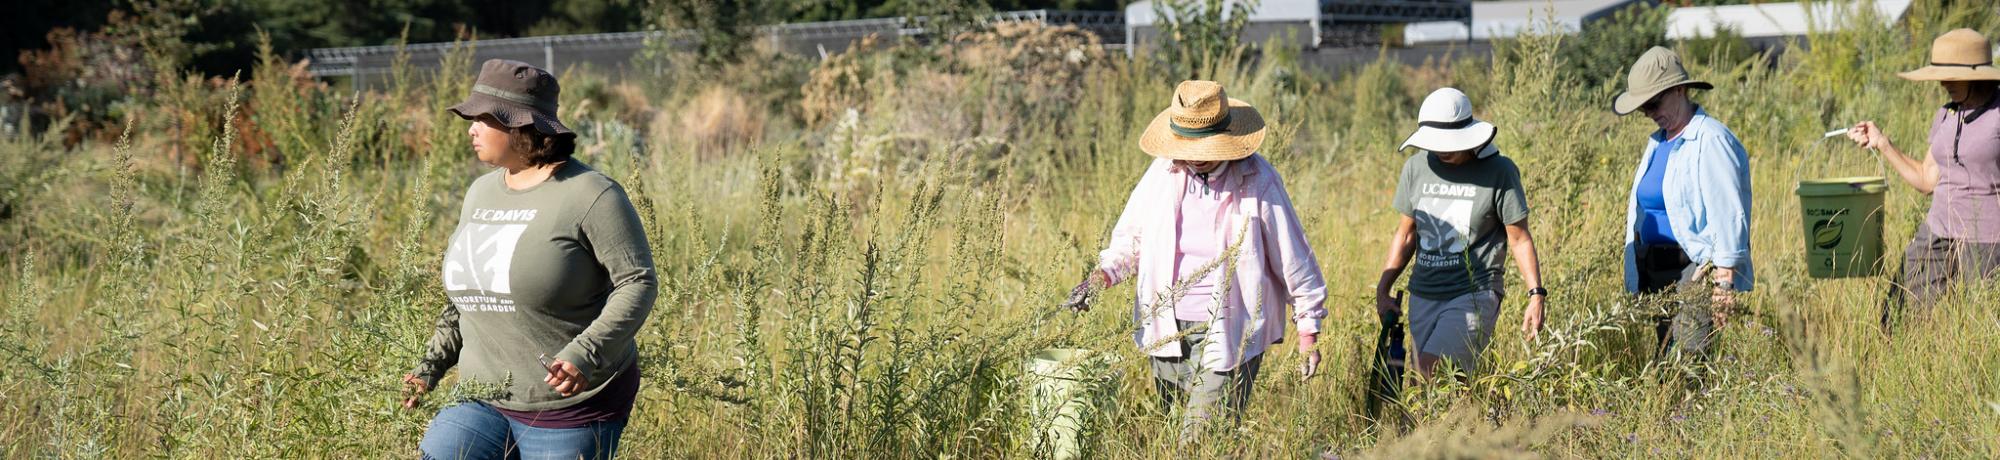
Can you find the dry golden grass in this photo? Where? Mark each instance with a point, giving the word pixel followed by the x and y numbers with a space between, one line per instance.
pixel 866 286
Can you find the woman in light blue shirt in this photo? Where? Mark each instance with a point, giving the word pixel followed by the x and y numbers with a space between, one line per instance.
pixel 1688 220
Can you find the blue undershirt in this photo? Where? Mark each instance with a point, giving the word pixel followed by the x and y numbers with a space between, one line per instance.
pixel 1654 227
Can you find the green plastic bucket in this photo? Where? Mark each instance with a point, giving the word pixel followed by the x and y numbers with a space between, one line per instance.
pixel 1067 390
pixel 1843 226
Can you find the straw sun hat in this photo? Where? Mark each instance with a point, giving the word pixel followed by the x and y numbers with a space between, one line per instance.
pixel 1958 55
pixel 1203 124
pixel 517 94
pixel 1445 124
pixel 1657 71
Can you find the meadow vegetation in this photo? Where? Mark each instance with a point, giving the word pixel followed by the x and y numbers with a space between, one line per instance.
pixel 856 255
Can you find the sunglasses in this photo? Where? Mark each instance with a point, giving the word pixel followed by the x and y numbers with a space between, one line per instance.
pixel 1654 103
pixel 1650 105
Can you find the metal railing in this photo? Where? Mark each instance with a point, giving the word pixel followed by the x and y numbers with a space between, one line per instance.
pixel 350 60
pixel 1391 11
pixel 1342 23
pixel 607 47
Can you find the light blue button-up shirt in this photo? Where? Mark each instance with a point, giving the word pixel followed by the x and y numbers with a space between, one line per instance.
pixel 1707 190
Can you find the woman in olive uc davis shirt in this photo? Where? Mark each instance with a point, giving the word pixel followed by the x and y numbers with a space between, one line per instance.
pixel 549 277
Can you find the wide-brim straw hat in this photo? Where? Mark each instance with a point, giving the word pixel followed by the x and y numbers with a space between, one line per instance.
pixel 1203 124
pixel 1958 55
pixel 1656 71
pixel 1445 124
pixel 517 94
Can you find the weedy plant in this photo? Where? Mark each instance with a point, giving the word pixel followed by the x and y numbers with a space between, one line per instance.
pixel 249 270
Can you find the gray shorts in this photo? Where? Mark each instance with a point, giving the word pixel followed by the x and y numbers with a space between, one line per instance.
pixel 1457 330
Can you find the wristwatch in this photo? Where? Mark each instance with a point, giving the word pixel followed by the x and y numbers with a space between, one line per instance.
pixel 1539 291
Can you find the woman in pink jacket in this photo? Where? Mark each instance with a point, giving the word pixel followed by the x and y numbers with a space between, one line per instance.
pixel 1218 253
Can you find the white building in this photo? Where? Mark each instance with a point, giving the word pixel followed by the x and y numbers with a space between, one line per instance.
pixel 1271 18
pixel 1498 20
pixel 1780 20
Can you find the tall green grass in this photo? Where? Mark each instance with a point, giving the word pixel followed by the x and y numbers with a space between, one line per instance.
pixel 866 286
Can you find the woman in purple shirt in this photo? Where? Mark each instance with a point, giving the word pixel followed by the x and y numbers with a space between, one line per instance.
pixel 1960 238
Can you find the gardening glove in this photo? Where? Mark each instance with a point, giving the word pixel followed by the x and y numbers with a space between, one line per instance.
pixel 1310 364
pixel 1085 292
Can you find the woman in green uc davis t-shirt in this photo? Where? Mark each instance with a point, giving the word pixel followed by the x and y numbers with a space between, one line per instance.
pixel 549 278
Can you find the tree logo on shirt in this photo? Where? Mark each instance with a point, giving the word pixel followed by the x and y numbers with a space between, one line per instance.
pixel 1442 226
pixel 478 263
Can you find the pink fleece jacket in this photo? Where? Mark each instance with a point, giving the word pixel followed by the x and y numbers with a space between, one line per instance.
pixel 1274 268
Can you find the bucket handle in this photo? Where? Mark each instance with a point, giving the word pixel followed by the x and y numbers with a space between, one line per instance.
pixel 1881 167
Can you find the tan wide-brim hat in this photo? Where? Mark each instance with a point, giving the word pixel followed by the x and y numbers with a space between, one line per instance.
pixel 1958 55
pixel 1204 124
pixel 1656 71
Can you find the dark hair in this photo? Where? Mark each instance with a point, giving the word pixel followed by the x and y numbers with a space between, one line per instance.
pixel 542 149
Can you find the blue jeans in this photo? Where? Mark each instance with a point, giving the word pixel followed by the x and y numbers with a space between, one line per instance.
pixel 474 431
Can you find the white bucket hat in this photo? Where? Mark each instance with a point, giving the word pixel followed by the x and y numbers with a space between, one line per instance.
pixel 1445 124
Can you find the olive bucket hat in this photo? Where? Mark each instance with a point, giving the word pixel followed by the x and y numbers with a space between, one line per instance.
pixel 1203 124
pixel 517 94
pixel 1958 55
pixel 1657 71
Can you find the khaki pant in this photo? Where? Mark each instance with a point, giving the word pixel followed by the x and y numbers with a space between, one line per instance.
pixel 1202 393
pixel 1931 267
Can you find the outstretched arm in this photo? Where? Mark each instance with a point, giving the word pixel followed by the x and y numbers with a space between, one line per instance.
pixel 1921 175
